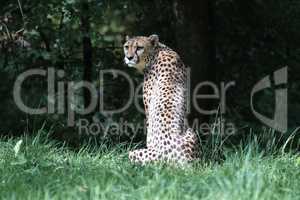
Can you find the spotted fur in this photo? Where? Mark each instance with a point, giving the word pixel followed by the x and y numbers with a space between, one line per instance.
pixel 164 95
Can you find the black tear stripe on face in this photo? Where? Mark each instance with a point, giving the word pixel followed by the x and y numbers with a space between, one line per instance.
pixel 138 59
pixel 136 50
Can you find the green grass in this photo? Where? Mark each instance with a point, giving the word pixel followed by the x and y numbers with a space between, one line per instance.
pixel 37 169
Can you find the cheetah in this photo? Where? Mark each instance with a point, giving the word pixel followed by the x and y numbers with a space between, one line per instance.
pixel 164 98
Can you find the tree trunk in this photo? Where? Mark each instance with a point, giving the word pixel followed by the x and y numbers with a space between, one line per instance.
pixel 87 50
pixel 195 44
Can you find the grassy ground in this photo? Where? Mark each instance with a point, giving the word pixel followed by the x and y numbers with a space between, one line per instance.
pixel 33 169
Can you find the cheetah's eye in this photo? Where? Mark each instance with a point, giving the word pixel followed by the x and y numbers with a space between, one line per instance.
pixel 139 48
pixel 126 46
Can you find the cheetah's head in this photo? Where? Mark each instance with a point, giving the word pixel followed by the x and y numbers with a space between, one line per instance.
pixel 137 50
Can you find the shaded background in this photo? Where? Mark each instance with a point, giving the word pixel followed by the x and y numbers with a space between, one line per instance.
pixel 219 40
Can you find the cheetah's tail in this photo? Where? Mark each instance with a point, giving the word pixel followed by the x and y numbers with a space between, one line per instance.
pixel 192 138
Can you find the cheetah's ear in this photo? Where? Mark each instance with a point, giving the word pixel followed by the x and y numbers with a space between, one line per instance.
pixel 154 39
pixel 127 38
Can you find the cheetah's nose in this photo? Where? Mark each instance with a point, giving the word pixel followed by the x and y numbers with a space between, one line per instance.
pixel 130 58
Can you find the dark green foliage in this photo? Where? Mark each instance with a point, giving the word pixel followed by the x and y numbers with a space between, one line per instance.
pixel 236 41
